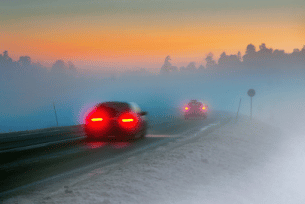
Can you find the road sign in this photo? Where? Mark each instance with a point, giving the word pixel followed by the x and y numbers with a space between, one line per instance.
pixel 251 92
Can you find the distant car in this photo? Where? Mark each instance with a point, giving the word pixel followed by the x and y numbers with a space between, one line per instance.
pixel 195 109
pixel 115 120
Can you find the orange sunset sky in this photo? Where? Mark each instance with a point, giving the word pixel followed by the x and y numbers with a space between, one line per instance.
pixel 127 34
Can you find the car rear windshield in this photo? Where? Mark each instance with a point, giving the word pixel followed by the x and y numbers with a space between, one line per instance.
pixel 195 104
pixel 114 109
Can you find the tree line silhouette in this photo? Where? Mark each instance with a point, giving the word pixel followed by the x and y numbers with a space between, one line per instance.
pixel 263 60
pixel 25 67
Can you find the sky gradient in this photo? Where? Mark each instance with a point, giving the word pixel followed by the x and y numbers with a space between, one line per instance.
pixel 140 33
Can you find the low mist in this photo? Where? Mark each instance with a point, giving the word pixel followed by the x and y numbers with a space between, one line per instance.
pixel 29 90
pixel 27 100
pixel 26 103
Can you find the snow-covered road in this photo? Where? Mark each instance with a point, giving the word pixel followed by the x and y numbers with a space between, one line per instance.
pixel 241 162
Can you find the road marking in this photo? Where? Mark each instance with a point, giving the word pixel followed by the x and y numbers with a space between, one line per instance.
pixel 37 159
pixel 55 130
pixel 35 133
pixel 208 126
pixel 201 130
pixel 161 135
pixel 204 128
pixel 18 149
pixel 29 134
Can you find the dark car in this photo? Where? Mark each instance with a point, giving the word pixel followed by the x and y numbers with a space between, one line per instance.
pixel 195 109
pixel 115 120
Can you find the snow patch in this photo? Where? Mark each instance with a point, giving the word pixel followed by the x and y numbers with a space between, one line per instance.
pixel 242 162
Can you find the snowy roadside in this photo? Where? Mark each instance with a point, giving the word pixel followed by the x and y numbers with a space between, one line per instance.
pixel 241 162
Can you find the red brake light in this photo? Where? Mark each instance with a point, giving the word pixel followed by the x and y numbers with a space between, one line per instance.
pixel 128 120
pixel 96 119
pixel 204 107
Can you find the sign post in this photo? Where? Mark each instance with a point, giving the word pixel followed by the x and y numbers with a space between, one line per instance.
pixel 238 109
pixel 55 113
pixel 251 93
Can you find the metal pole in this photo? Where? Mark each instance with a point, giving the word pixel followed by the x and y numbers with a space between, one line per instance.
pixel 251 108
pixel 238 109
pixel 55 113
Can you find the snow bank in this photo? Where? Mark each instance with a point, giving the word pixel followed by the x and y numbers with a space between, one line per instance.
pixel 243 162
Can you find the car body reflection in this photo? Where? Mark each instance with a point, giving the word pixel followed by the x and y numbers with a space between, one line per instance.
pixel 101 144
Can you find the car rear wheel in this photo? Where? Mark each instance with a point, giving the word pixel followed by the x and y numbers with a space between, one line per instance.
pixel 143 135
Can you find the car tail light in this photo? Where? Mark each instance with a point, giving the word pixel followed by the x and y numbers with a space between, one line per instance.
pixel 204 107
pixel 186 108
pixel 128 120
pixel 96 119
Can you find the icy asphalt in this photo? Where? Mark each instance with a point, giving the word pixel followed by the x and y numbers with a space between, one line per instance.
pixel 241 162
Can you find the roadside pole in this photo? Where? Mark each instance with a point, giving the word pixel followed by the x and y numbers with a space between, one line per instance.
pixel 251 93
pixel 55 114
pixel 251 108
pixel 238 109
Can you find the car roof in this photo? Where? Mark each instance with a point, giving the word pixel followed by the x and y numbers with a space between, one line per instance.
pixel 114 104
pixel 195 102
pixel 120 106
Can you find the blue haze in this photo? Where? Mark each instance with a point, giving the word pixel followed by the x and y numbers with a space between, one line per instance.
pixel 28 91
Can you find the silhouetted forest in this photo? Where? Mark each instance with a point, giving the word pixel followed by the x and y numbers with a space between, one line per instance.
pixel 26 68
pixel 28 90
pixel 264 61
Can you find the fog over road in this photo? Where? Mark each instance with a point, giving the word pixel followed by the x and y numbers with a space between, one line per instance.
pixel 241 161
pixel 56 163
